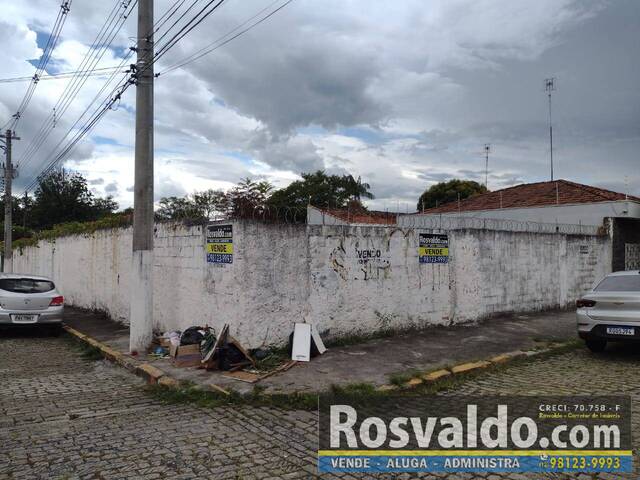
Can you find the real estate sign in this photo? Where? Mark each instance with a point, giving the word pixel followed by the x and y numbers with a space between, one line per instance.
pixel 220 243
pixel 433 248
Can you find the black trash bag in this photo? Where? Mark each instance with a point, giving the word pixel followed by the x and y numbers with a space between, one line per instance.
pixel 229 355
pixel 191 336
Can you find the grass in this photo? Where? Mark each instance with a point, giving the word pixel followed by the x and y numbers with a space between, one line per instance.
pixel 87 352
pixel 452 381
pixel 274 359
pixel 190 393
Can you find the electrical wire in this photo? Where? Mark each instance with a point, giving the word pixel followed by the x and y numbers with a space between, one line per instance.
pixel 119 91
pixel 116 93
pixel 94 54
pixel 216 44
pixel 58 76
pixel 52 41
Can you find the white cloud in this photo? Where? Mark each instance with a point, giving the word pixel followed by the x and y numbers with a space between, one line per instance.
pixel 403 94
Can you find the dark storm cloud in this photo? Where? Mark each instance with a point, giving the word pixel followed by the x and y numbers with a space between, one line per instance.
pixel 404 94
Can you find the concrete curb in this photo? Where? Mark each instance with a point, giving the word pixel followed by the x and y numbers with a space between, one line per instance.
pixel 150 373
pixel 467 367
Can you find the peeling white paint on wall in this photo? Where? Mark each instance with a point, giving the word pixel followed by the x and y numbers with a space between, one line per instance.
pixel 344 279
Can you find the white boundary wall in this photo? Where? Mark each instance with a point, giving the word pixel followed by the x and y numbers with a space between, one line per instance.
pixel 345 279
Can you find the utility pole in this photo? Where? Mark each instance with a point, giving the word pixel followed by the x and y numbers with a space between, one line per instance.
pixel 9 175
pixel 141 316
pixel 549 87
pixel 487 149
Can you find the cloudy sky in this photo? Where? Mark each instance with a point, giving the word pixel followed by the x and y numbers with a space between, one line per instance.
pixel 403 94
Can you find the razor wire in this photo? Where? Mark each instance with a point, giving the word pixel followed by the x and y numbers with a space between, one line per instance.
pixel 300 216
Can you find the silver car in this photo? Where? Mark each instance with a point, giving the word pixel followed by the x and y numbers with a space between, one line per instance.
pixel 610 311
pixel 30 300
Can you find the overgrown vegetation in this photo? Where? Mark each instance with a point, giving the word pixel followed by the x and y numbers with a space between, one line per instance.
pixel 189 393
pixel 74 228
pixel 86 351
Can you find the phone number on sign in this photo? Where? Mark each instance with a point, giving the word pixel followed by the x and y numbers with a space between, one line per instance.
pixel 582 463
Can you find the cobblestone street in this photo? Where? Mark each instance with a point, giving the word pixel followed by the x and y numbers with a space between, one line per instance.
pixel 62 416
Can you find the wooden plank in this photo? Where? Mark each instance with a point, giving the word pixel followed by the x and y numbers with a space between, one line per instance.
pixel 219 389
pixel 282 368
pixel 242 376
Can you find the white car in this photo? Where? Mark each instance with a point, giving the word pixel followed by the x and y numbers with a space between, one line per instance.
pixel 30 300
pixel 610 311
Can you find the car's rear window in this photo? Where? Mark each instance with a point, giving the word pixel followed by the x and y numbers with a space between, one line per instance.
pixel 620 283
pixel 26 285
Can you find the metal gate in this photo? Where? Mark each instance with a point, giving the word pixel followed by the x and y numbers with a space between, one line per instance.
pixel 632 256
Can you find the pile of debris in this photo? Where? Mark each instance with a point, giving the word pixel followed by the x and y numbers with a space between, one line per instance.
pixel 200 347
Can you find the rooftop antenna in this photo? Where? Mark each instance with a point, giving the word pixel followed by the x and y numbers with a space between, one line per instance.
pixel 549 86
pixel 487 149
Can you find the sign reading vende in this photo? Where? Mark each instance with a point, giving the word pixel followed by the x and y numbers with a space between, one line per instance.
pixel 220 243
pixel 433 248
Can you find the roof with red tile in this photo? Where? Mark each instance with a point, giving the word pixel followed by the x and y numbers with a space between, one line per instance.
pixel 372 217
pixel 558 192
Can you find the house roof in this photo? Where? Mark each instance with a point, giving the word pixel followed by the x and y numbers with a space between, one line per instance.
pixel 373 217
pixel 558 192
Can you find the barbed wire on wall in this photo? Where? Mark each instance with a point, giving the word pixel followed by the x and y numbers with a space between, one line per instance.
pixel 476 223
pixel 302 216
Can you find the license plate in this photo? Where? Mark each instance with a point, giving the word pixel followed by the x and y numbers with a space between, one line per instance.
pixel 22 318
pixel 621 331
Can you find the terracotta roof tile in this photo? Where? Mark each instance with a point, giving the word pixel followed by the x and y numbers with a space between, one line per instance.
pixel 372 217
pixel 559 192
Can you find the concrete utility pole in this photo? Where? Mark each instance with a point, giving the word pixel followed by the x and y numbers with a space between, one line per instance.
pixel 141 316
pixel 9 175
pixel 549 87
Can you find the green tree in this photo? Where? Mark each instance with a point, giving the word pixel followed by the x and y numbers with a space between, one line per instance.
pixel 210 203
pixel 177 208
pixel 247 197
pixel 64 196
pixel 445 192
pixel 322 190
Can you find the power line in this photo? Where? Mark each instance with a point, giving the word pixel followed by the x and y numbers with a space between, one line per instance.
pixel 42 64
pixel 58 76
pixel 94 54
pixel 203 13
pixel 117 92
pixel 58 111
pixel 216 44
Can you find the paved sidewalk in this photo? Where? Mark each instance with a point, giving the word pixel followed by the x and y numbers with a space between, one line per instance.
pixel 63 417
pixel 372 362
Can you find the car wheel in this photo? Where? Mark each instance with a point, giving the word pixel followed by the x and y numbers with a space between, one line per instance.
pixel 596 345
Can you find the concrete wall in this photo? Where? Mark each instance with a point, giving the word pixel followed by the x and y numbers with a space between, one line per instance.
pixel 345 279
pixel 585 213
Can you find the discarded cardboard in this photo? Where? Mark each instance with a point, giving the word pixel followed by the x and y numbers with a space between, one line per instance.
pixel 315 336
pixel 185 355
pixel 301 350
pixel 235 343
pixel 219 341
